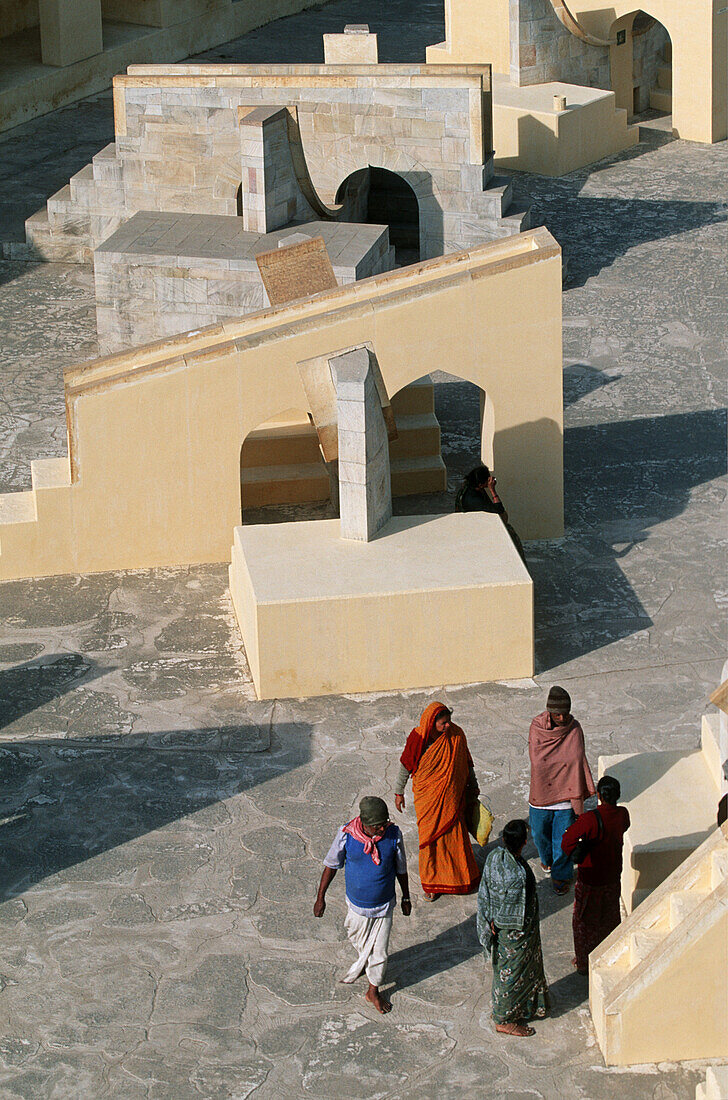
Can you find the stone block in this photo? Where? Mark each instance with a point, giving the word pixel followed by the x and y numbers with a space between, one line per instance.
pixel 294 584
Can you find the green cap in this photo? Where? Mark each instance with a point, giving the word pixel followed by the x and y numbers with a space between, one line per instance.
pixel 373 811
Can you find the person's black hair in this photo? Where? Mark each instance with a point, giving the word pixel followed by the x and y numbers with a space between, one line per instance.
pixel 609 790
pixel 476 477
pixel 722 815
pixel 514 835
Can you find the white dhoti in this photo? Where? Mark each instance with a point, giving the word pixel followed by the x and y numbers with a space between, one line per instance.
pixel 370 938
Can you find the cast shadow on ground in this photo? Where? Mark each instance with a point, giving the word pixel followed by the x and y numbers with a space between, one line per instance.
pixel 580 379
pixel 622 480
pixel 65 803
pixel 424 960
pixel 35 683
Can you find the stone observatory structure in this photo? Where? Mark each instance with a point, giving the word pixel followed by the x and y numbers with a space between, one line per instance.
pixel 280 145
pixel 609 63
pixel 155 435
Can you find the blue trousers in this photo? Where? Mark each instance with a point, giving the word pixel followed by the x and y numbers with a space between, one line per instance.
pixel 547 829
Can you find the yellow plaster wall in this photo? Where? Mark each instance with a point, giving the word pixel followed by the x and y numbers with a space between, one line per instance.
pixel 476 30
pixel 155 434
pixel 698 30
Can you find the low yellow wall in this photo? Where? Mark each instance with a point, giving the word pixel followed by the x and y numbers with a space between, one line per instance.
pixel 155 434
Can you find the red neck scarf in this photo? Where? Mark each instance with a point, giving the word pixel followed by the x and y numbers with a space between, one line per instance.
pixel 355 830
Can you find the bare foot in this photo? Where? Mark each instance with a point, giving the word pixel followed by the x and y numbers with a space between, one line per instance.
pixel 375 998
pixel 515 1029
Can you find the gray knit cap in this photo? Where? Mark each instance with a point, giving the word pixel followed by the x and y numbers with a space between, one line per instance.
pixel 559 701
pixel 373 811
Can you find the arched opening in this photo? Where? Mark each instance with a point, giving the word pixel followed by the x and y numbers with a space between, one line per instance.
pixel 385 198
pixel 641 63
pixel 463 424
pixel 283 476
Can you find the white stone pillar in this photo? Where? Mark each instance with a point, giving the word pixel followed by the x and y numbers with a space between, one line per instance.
pixel 356 46
pixel 365 486
pixel 70 30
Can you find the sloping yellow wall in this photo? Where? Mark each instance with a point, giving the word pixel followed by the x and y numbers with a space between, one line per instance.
pixel 155 434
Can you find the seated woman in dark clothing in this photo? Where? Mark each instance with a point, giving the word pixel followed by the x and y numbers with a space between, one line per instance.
pixel 478 494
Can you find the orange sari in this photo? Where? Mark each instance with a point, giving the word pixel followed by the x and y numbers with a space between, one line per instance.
pixel 447 864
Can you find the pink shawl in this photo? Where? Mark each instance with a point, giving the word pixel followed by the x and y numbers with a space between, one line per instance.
pixel 559 768
pixel 355 830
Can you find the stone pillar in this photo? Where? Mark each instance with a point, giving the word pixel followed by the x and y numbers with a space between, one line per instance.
pixel 365 487
pixel 356 46
pixel 70 30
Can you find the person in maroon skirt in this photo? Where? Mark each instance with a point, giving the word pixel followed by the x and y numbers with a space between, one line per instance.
pixel 596 895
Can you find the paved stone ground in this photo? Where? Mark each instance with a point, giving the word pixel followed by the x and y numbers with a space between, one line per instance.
pixel 162 831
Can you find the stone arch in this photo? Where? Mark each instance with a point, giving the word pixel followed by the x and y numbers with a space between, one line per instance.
pixel 281 465
pixel 635 67
pixel 384 197
pixel 420 181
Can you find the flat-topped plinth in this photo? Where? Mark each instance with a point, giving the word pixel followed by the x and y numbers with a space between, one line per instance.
pixel 162 273
pixel 431 600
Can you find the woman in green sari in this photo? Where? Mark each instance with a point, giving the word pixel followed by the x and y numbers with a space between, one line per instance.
pixel 508 928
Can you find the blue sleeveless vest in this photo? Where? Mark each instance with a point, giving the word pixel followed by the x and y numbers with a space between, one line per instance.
pixel 369 884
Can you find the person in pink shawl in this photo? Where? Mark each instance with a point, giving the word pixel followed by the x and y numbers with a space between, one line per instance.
pixel 560 781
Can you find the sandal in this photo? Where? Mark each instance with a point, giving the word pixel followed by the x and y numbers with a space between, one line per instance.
pixel 430 897
pixel 561 887
pixel 520 1030
pixel 544 867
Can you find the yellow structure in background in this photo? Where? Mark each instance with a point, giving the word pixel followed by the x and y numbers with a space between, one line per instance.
pixel 155 434
pixel 480 31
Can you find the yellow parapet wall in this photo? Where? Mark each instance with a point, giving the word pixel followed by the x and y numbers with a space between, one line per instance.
pixel 155 434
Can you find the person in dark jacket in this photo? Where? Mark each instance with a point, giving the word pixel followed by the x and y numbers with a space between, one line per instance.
pixel 596 894
pixel 478 494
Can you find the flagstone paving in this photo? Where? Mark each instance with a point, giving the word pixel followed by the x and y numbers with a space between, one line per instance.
pixel 162 830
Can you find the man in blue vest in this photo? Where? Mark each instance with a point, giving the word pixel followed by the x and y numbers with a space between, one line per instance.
pixel 371 851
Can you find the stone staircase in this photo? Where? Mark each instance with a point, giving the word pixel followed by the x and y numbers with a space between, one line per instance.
pixel 81 215
pixel 661 94
pixel 25 518
pixel 281 462
pixel 657 985
pixel 715 1085
pixel 92 206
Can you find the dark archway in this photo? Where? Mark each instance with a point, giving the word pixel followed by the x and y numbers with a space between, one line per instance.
pixel 385 198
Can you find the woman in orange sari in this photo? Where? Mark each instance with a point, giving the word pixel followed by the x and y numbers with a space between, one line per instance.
pixel 443 785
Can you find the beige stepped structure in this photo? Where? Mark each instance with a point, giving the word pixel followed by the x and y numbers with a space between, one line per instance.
pixel 617 48
pixel 672 799
pixel 657 984
pixel 283 144
pixel 53 52
pixel 555 128
pixel 281 462
pixel 715 1085
pixel 136 491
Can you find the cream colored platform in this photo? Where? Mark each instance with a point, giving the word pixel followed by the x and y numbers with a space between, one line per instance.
pixel 432 600
pixel 531 136
pixel 672 799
